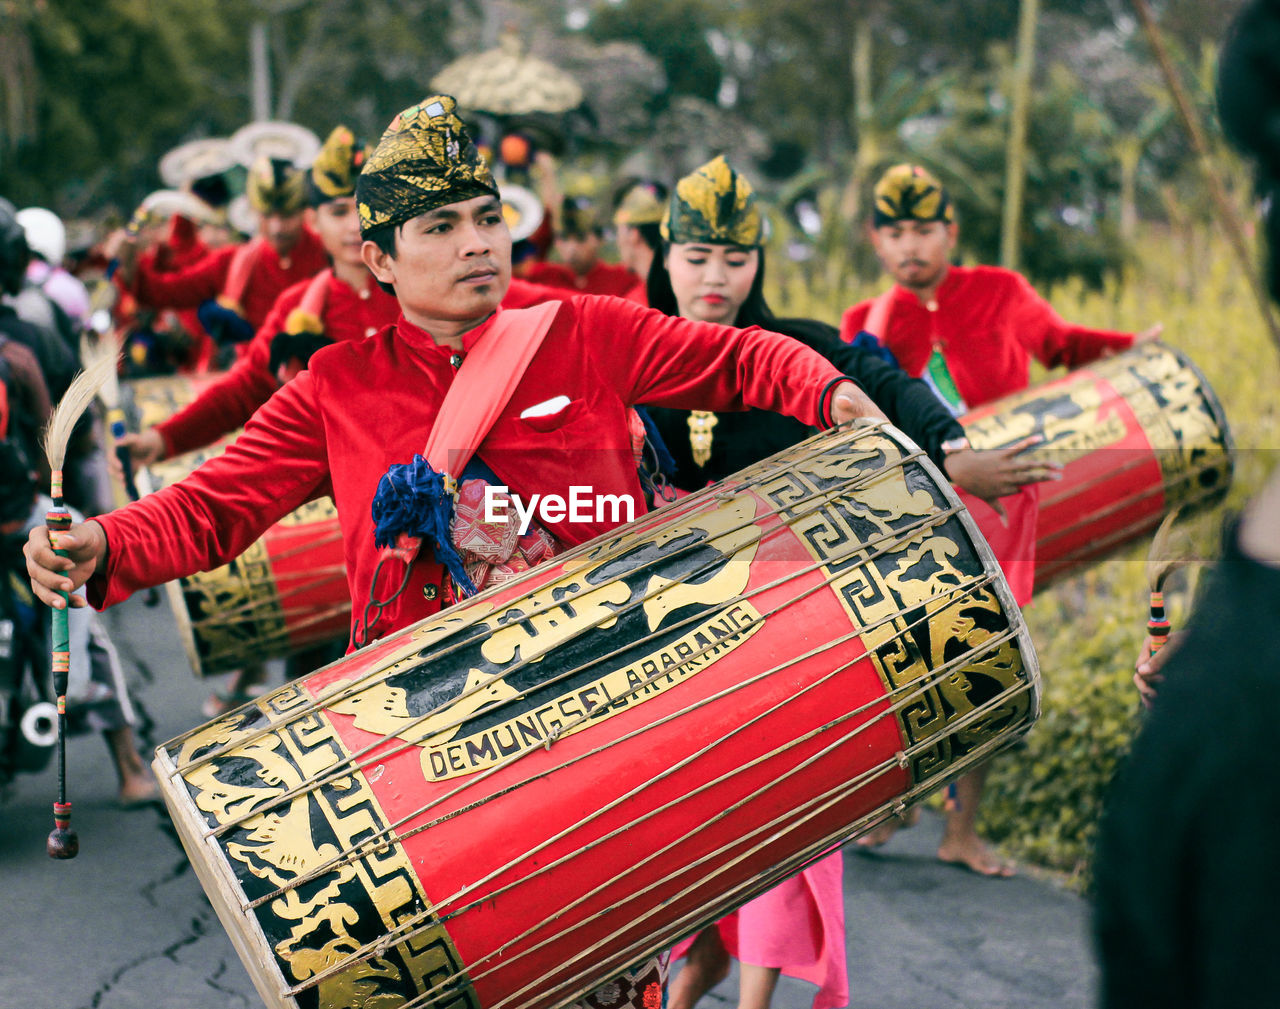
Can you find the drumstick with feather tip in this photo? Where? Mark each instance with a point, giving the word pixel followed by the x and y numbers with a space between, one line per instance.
pixel 63 842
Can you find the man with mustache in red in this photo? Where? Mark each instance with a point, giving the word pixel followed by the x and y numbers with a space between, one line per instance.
pixel 350 424
pixel 970 333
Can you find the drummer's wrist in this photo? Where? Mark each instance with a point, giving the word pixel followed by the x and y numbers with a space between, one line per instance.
pixel 826 400
pixel 93 528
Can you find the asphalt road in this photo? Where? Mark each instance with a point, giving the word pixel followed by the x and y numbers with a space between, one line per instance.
pixel 126 926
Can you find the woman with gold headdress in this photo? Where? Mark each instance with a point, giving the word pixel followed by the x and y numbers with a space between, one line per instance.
pixel 711 268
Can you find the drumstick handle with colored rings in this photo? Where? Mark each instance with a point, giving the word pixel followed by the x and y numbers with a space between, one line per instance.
pixel 62 842
pixel 1157 624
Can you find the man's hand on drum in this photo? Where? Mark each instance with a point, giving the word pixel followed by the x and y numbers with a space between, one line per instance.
pixel 144 449
pixel 86 546
pixel 848 402
pixel 998 473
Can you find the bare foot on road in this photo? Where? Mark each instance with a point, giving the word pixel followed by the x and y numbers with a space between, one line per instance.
pixel 971 852
pixel 881 834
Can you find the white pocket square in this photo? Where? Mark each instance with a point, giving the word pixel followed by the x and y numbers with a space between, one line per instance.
pixel 546 408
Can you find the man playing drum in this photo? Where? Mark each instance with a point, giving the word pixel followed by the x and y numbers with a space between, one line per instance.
pixel 970 333
pixel 244 279
pixel 435 233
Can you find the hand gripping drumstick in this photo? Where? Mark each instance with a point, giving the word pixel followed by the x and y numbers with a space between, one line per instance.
pixel 63 842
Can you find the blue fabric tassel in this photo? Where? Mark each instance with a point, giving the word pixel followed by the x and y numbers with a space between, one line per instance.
pixel 412 499
pixel 868 342
pixel 224 325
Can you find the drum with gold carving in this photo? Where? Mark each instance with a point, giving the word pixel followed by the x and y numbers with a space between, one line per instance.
pixel 1138 434
pixel 148 401
pixel 287 593
pixel 507 804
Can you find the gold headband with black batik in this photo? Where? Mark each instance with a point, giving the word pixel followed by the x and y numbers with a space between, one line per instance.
pixel 715 205
pixel 425 159
pixel 334 172
pixel 275 187
pixel 910 193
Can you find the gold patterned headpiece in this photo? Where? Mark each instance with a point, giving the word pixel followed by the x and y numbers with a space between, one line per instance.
pixel 640 206
pixel 334 171
pixel 275 187
pixel 716 205
pixel 425 159
pixel 910 193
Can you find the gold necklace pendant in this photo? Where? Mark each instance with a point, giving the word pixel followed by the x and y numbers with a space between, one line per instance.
pixel 700 424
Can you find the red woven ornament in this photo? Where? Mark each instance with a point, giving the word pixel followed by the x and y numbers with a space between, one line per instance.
pixel 472 535
pixel 537 545
pixel 478 572
pixel 507 570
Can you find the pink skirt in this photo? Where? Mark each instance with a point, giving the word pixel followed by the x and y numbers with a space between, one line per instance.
pixel 797 926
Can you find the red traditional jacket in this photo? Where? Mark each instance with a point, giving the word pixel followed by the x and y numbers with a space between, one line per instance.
pixel 348 315
pixel 603 278
pixel 181 249
pixel 365 404
pixel 269 277
pixel 988 322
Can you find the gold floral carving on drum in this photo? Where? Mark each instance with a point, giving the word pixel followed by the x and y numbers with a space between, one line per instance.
pixel 521 797
pixel 148 401
pixel 288 590
pixel 312 928
pixel 912 628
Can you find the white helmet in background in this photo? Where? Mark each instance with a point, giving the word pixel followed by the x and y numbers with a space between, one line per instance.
pixel 46 235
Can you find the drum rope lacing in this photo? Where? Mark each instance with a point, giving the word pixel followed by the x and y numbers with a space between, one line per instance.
pixel 686 505
pixel 404 932
pixel 840 488
pixel 341 768
pixel 378 840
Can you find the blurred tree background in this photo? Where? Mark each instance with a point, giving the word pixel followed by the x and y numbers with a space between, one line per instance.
pixel 812 99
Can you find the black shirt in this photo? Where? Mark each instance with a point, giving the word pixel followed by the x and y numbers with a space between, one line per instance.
pixel 1188 860
pixel 742 438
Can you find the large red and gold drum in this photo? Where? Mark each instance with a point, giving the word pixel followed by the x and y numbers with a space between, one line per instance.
pixel 509 803
pixel 286 594
pixel 1138 434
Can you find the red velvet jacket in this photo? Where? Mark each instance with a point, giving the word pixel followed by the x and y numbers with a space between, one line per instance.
pixel 348 315
pixel 988 322
pixel 365 404
pixel 270 276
